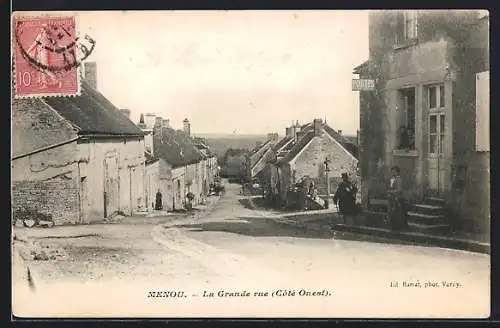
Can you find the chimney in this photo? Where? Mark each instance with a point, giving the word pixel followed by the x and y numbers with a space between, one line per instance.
pixel 296 129
pixel 125 112
pixel 339 132
pixel 289 132
pixel 187 126
pixel 142 125
pixel 166 123
pixel 90 74
pixel 318 126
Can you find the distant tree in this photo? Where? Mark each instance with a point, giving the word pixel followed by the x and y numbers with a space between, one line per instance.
pixel 234 152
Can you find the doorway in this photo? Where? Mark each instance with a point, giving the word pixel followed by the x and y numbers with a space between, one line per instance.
pixel 111 187
pixel 438 170
pixel 84 202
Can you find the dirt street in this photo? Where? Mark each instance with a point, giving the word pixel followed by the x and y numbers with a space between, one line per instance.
pixel 228 246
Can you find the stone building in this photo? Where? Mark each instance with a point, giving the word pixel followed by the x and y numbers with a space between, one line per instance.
pixel 177 164
pixel 78 159
pixel 257 158
pixel 302 153
pixel 426 114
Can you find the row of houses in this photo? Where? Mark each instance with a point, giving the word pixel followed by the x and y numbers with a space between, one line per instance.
pixel 311 151
pixel 428 112
pixel 81 159
pixel 177 165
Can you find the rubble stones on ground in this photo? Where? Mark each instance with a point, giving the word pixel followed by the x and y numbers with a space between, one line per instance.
pixel 30 250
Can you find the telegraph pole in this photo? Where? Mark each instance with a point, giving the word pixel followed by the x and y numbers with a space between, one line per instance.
pixel 327 169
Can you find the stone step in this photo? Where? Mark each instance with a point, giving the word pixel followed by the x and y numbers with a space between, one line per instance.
pixel 424 218
pixel 429 228
pixel 429 207
pixel 435 201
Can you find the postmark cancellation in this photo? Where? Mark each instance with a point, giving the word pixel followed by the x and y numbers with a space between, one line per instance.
pixel 47 55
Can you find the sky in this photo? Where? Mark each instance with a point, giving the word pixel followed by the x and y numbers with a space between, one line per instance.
pixel 244 72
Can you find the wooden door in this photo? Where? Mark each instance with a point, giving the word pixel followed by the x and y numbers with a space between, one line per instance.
pixel 437 170
pixel 111 189
pixel 84 200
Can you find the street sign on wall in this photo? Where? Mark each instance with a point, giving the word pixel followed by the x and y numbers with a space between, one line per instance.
pixel 363 85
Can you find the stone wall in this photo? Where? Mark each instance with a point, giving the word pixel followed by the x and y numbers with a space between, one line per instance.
pixel 57 196
pixel 475 211
pixel 310 162
pixel 35 125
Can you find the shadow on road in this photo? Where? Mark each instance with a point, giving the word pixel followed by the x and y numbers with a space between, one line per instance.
pixel 246 203
pixel 258 227
pixel 264 227
pixel 259 203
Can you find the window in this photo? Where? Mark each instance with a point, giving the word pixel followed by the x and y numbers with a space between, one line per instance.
pixel 407 119
pixel 436 133
pixel 436 96
pixel 441 133
pixel 410 19
pixel 433 134
pixel 432 97
pixel 441 96
pixel 406 28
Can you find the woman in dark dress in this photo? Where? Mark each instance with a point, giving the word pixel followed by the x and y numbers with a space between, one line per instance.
pixel 397 212
pixel 158 203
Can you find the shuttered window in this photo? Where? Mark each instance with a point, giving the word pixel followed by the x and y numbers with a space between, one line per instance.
pixel 483 111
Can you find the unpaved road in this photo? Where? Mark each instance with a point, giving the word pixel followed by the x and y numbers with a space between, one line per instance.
pixel 109 270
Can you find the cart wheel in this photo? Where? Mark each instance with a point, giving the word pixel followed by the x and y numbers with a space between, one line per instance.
pixel 29 223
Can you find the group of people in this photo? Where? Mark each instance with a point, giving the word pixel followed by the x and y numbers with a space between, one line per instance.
pixel 345 199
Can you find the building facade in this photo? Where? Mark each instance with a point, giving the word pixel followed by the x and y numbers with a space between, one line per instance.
pixel 256 160
pixel 177 165
pixel 422 114
pixel 79 159
pixel 302 153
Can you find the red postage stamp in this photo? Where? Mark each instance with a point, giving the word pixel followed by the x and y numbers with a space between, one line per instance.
pixel 46 56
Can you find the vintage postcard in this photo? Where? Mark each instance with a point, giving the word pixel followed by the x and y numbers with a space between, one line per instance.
pixel 254 164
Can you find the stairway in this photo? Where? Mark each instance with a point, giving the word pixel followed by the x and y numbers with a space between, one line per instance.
pixel 430 216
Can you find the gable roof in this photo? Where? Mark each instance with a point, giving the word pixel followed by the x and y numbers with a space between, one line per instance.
pixel 92 113
pixel 309 135
pixel 297 148
pixel 176 148
pixel 202 146
pixel 362 68
pixel 256 149
pixel 281 143
pixel 349 145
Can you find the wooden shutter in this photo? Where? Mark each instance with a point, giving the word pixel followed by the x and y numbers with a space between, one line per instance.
pixel 483 111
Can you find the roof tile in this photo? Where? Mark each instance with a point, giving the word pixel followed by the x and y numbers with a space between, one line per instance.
pixel 93 113
pixel 177 148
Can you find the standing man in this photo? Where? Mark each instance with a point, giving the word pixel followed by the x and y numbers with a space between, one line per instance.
pixel 397 212
pixel 345 197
